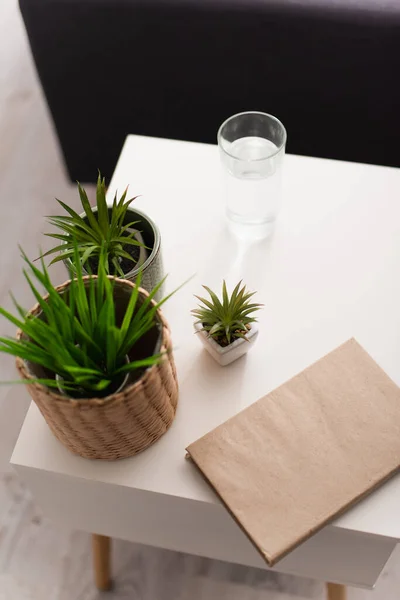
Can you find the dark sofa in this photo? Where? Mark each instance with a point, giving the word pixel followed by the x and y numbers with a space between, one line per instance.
pixel 329 69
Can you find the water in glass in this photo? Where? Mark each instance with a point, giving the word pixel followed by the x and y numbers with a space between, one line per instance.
pixel 253 181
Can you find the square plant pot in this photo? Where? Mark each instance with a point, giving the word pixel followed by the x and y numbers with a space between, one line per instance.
pixel 224 355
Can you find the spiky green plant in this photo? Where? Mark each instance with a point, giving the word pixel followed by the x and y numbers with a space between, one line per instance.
pixel 105 228
pixel 78 337
pixel 227 319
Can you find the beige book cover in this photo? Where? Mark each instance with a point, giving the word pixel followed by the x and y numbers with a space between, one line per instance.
pixel 294 460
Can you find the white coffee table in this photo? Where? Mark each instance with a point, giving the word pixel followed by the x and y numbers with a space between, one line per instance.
pixel 330 272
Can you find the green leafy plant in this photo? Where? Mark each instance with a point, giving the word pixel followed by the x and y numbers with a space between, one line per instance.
pixel 78 337
pixel 102 228
pixel 227 319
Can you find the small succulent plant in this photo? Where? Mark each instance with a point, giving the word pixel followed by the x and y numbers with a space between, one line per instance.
pixel 102 230
pixel 227 319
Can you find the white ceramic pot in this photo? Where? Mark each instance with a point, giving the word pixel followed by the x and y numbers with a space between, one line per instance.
pixel 224 355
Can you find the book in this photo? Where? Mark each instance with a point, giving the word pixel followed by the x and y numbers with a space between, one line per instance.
pixel 300 456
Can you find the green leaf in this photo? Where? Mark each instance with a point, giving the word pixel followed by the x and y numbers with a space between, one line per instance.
pixel 27 352
pixel 102 209
pixel 75 216
pixel 60 248
pixel 117 267
pixel 135 334
pixel 80 371
pixel 62 256
pixel 48 382
pixel 125 254
pixel 59 236
pixel 206 302
pixel 17 322
pixel 92 300
pixel 217 327
pixel 214 298
pixel 225 296
pixel 166 298
pixel 128 226
pixel 137 364
pixel 130 309
pixel 127 240
pixel 88 211
pixel 79 230
pixel 87 254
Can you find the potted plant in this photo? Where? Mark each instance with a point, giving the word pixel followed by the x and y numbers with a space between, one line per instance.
pixel 96 356
pixel 130 238
pixel 226 327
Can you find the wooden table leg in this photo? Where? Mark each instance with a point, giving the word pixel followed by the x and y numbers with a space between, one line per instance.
pixel 101 548
pixel 335 591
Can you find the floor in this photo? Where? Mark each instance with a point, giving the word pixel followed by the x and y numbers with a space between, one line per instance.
pixel 38 559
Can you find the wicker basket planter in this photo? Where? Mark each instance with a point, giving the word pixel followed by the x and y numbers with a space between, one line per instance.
pixel 124 423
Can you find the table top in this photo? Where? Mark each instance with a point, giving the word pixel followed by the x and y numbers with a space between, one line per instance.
pixel 329 272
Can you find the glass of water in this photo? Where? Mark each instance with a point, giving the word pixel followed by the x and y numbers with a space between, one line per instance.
pixel 252 147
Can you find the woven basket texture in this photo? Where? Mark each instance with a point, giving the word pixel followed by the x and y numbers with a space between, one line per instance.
pixel 121 424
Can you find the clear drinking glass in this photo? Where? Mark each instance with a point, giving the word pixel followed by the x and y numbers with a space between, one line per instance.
pixel 252 147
